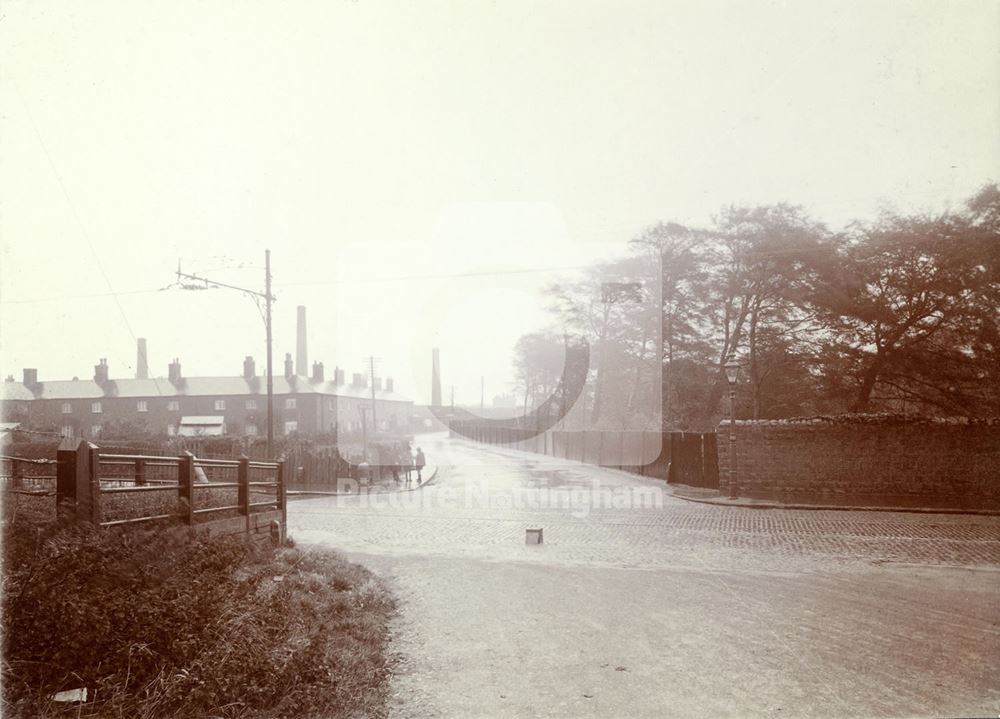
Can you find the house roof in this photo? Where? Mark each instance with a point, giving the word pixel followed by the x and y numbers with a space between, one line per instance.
pixel 12 391
pixel 188 387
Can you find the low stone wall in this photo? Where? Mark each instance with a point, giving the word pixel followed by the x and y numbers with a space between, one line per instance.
pixel 867 462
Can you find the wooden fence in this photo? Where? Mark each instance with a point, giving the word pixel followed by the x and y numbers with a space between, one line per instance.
pixel 219 495
pixel 689 458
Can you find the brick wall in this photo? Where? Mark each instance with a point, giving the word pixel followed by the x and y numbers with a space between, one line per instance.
pixel 871 463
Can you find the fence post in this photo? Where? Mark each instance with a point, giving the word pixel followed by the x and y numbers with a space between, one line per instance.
pixel 243 491
pixel 17 473
pixel 68 469
pixel 185 487
pixel 140 471
pixel 282 500
pixel 94 482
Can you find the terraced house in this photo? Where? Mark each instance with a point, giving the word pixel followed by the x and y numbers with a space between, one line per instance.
pixel 204 405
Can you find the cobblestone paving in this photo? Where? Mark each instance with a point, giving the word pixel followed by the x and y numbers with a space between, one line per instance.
pixel 666 608
pixel 472 510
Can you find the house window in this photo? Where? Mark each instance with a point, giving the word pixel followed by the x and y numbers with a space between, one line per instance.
pixel 173 406
pixel 95 430
pixel 290 403
pixel 251 429
pixel 95 407
pixel 291 426
pixel 172 430
pixel 251 404
pixel 67 408
pixel 67 431
pixel 220 404
pixel 141 406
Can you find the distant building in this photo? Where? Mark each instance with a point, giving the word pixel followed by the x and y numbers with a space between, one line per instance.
pixel 505 400
pixel 180 405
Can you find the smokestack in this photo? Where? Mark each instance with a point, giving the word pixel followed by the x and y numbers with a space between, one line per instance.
pixel 101 371
pixel 436 378
pixel 301 361
pixel 289 373
pixel 249 370
pixel 141 360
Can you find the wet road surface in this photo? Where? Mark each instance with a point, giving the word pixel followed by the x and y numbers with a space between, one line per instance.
pixel 641 604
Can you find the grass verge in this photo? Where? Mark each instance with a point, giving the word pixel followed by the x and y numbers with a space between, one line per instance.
pixel 167 623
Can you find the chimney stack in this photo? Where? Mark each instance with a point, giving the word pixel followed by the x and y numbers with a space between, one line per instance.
pixel 338 376
pixel 101 371
pixel 249 370
pixel 378 384
pixel 301 361
pixel 436 378
pixel 388 384
pixel 317 372
pixel 30 377
pixel 174 371
pixel 141 362
pixel 289 371
pixel 356 380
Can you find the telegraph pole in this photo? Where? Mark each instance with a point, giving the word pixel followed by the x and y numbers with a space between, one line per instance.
pixel 268 300
pixel 371 365
pixel 364 430
pixel 270 374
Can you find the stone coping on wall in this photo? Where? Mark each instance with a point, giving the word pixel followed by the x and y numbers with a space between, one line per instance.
pixel 866 419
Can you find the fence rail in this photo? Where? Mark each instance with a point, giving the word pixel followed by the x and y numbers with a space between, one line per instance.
pixel 109 489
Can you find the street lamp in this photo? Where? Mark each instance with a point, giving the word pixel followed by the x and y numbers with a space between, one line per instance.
pixel 256 296
pixel 732 368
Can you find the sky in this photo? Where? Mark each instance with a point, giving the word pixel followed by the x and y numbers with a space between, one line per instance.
pixel 420 171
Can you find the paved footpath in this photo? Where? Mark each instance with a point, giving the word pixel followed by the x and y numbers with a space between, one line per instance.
pixel 641 604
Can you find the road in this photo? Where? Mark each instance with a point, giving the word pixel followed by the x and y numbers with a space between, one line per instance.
pixel 641 604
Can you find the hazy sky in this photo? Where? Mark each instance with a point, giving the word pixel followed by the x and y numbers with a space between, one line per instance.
pixel 378 148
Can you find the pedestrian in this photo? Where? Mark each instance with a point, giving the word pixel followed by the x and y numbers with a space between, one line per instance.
pixel 421 462
pixel 407 456
pixel 396 463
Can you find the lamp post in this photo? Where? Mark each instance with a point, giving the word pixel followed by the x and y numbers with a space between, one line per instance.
pixel 732 368
pixel 256 296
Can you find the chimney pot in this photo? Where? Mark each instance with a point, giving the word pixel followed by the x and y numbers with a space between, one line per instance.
pixel 174 371
pixel 101 371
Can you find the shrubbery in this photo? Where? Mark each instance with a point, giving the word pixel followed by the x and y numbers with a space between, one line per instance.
pixel 165 623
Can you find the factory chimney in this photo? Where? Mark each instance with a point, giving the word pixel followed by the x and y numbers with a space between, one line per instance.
pixel 142 359
pixel 301 360
pixel 436 378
